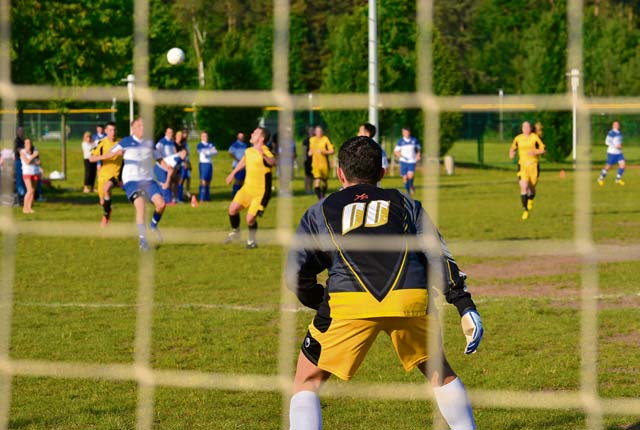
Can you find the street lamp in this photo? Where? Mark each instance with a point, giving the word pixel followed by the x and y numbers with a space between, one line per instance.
pixel 575 83
pixel 501 95
pixel 131 79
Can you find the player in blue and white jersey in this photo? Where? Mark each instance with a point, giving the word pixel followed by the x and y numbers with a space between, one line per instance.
pixel 163 171
pixel 166 146
pixel 408 151
pixel 236 150
pixel 614 154
pixel 98 135
pixel 137 175
pixel 206 150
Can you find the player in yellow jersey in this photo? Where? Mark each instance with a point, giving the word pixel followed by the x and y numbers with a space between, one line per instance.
pixel 320 147
pixel 256 190
pixel 109 174
pixel 370 291
pixel 529 148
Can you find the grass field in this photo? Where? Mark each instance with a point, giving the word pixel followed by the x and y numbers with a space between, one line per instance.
pixel 216 308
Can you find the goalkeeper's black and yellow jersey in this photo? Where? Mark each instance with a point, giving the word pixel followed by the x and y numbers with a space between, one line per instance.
pixel 370 283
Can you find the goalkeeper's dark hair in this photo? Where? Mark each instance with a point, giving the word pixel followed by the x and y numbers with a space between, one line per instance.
pixel 110 123
pixel 360 158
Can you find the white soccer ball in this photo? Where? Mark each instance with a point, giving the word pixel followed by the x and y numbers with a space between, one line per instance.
pixel 175 56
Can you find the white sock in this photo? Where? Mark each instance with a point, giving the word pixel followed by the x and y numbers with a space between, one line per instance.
pixel 454 405
pixel 304 411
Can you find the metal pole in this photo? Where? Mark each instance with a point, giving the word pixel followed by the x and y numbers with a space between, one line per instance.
pixel 501 94
pixel 63 135
pixel 310 109
pixel 575 83
pixel 373 64
pixel 131 79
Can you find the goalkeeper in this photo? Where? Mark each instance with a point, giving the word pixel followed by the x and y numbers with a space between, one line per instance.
pixel 369 291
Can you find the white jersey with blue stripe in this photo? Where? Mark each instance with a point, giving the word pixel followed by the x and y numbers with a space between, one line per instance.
pixel 139 157
pixel 206 151
pixel 614 142
pixel 408 149
pixel 166 147
pixel 172 161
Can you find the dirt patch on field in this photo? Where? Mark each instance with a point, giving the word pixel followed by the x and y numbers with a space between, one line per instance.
pixel 550 290
pixel 632 338
pixel 523 267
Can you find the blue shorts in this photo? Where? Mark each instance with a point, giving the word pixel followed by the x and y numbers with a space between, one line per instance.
pixel 241 175
pixel 206 172
pixel 614 158
pixel 134 189
pixel 160 173
pixel 185 173
pixel 406 168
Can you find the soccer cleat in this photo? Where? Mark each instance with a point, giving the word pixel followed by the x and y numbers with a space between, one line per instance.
pixel 620 182
pixel 251 244
pixel 104 222
pixel 233 236
pixel 601 182
pixel 144 246
pixel 529 204
pixel 525 215
pixel 155 231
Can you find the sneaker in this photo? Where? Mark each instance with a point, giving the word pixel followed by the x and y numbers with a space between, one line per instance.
pixel 620 182
pixel 105 221
pixel 525 215
pixel 144 246
pixel 529 204
pixel 233 236
pixel 251 244
pixel 156 232
pixel 601 182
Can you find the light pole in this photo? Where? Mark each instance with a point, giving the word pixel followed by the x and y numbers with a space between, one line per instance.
pixel 373 64
pixel 310 110
pixel 501 95
pixel 575 83
pixel 131 79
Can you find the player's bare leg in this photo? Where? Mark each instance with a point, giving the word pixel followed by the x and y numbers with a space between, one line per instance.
pixel 304 410
pixel 531 194
pixel 234 220
pixel 450 395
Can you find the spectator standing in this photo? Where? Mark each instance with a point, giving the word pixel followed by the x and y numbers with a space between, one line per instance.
pixel 30 168
pixel 206 150
pixel 17 167
pixel 89 167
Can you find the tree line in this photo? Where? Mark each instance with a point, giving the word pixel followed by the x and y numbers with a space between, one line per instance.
pixel 479 46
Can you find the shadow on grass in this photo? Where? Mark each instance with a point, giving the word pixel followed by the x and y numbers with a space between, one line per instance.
pixel 635 426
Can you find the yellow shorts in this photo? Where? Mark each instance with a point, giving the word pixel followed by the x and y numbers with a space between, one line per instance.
pixel 103 180
pixel 320 172
pixel 255 200
pixel 529 173
pixel 339 346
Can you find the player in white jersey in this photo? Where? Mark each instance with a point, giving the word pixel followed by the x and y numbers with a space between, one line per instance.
pixel 163 171
pixel 137 174
pixel 614 154
pixel 408 151
pixel 206 150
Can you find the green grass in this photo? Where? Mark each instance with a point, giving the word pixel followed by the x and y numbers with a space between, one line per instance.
pixel 216 310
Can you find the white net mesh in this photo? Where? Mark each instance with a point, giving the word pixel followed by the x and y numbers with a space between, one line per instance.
pixel 586 399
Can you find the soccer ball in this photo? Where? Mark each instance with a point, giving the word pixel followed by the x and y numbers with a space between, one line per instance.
pixel 175 56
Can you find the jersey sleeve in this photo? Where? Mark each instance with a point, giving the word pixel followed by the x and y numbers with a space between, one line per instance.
pixel 98 149
pixel 268 152
pixel 514 144
pixel 330 146
pixel 453 282
pixel 540 144
pixel 305 263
